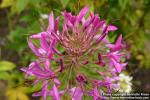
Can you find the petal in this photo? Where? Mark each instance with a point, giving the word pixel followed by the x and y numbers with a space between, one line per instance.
pixel 110 46
pixel 56 93
pixel 45 89
pixel 119 40
pixel 95 93
pixel 68 17
pixel 114 55
pixel 103 35
pixel 117 46
pixel 38 35
pixel 47 65
pixel 116 65
pixel 56 24
pixel 112 28
pixel 37 94
pixel 83 12
pixel 57 81
pixel 96 20
pixel 100 24
pixel 50 51
pixel 44 44
pixel 57 52
pixel 76 93
pixel 51 22
pixel 26 70
pixel 33 47
pixel 88 23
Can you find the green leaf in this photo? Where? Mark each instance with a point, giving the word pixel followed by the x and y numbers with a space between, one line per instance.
pixel 19 6
pixel 6 65
pixel 64 3
pixel 4 76
pixel 6 3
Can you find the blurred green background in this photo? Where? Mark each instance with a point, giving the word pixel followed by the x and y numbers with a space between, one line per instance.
pixel 21 18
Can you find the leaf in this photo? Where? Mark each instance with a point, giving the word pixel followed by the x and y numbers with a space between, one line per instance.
pixel 6 65
pixel 4 76
pixel 6 3
pixel 16 94
pixel 19 6
pixel 64 3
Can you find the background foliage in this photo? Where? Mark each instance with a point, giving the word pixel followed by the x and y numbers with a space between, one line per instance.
pixel 21 18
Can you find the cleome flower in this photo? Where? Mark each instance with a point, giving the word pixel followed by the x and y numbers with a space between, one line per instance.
pixel 76 60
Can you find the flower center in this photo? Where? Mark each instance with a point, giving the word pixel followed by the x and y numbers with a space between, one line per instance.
pixel 76 44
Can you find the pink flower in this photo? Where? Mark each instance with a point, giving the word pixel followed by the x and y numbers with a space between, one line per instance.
pixel 36 70
pixel 69 57
pixel 44 91
pixel 118 66
pixel 54 93
pixel 117 46
pixel 45 51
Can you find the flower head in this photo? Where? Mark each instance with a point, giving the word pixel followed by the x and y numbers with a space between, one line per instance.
pixel 77 58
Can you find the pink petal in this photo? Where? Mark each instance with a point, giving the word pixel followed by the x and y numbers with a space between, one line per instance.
pixel 57 52
pixel 37 94
pixel 110 45
pixel 50 51
pixel 44 44
pixel 103 35
pixel 38 35
pixel 67 17
pixel 47 64
pixel 56 24
pixel 33 48
pixel 100 24
pixel 51 22
pixel 96 20
pixel 112 28
pixel 116 65
pixel 83 12
pixel 76 93
pixel 57 81
pixel 56 93
pixel 45 89
pixel 119 40
pixel 95 93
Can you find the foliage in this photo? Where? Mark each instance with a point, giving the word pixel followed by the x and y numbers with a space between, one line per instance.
pixel 6 65
pixel 12 77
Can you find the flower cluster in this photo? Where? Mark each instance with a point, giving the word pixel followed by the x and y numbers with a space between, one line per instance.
pixel 125 83
pixel 76 60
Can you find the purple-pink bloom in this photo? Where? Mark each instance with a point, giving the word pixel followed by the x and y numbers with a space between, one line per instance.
pixel 117 46
pixel 36 70
pixel 69 57
pixel 43 92
pixel 118 66
pixel 54 93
